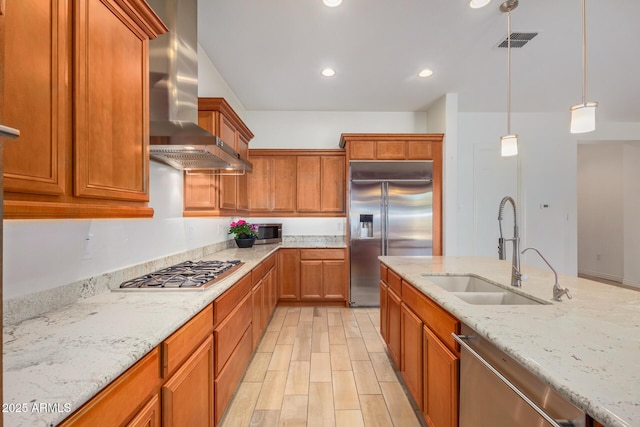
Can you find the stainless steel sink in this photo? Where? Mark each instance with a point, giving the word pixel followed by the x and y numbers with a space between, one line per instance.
pixel 477 291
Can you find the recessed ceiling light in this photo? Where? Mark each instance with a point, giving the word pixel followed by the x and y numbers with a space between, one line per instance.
pixel 426 72
pixel 328 72
pixel 477 4
pixel 332 3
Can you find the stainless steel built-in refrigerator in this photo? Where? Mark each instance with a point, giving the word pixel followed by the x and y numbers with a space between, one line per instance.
pixel 390 213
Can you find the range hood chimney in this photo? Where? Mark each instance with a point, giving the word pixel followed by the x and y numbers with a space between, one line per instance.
pixel 175 137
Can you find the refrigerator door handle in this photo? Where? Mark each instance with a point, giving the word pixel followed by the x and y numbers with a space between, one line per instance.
pixel 384 219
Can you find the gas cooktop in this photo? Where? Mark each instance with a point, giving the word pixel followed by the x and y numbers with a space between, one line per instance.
pixel 189 275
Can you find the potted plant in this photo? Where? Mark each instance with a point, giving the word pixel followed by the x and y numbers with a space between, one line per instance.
pixel 244 233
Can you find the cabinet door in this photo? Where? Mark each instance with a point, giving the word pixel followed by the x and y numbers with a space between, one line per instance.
pixel 36 95
pixel 257 295
pixel 261 190
pixel 228 183
pixel 200 191
pixel 289 274
pixel 440 404
pixel 333 184
pixel 149 415
pixel 384 311
pixel 111 131
pixel 334 279
pixel 188 395
pixel 411 353
pixel 311 279
pixel 393 325
pixel 284 183
pixel 308 184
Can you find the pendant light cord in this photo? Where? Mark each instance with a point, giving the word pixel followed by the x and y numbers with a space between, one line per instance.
pixel 584 52
pixel 509 72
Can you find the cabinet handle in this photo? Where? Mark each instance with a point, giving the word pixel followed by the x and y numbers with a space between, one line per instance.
pixel 6 131
pixel 460 339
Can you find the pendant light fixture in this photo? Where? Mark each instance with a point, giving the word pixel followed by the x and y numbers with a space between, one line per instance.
pixel 583 115
pixel 509 142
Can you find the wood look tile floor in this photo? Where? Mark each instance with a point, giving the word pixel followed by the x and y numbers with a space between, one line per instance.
pixel 321 366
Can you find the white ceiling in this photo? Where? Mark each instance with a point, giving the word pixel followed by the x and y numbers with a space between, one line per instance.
pixel 271 53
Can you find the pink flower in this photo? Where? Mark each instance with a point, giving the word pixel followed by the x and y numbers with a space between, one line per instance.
pixel 241 221
pixel 233 224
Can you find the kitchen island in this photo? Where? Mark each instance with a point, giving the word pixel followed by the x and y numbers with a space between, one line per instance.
pixel 586 348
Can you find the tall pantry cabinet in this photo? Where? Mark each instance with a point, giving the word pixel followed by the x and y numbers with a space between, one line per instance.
pixel 77 87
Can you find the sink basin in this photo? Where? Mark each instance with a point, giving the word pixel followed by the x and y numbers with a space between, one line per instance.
pixel 477 291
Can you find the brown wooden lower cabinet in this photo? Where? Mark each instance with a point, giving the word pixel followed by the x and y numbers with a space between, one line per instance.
pixel 441 367
pixel 149 415
pixel 417 332
pixel 257 297
pixel 120 400
pixel 384 291
pixel 313 275
pixel 411 353
pixel 187 397
pixel 289 274
pixel 394 328
pixel 226 382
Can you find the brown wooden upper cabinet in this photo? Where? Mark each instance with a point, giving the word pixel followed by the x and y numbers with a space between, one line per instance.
pixel 403 147
pixel 77 88
pixel 297 182
pixel 364 146
pixel 208 193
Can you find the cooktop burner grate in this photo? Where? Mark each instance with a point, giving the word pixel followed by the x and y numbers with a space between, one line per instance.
pixel 189 275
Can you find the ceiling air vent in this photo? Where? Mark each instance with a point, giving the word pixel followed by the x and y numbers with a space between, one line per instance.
pixel 518 39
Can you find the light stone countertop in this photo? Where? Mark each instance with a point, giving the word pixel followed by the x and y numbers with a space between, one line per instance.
pixel 66 356
pixel 587 348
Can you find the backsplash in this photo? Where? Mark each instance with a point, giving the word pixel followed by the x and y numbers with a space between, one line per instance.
pixel 25 307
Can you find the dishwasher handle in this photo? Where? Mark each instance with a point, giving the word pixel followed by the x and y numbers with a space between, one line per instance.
pixel 460 339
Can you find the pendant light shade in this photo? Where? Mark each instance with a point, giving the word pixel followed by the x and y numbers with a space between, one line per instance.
pixel 477 4
pixel 583 115
pixel 509 142
pixel 508 145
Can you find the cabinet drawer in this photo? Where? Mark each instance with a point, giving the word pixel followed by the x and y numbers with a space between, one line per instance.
pixel 394 281
pixel 226 382
pixel 185 340
pixel 383 272
pixel 258 273
pixel 269 263
pixel 228 333
pixel 229 300
pixel 119 400
pixel 441 322
pixel 321 253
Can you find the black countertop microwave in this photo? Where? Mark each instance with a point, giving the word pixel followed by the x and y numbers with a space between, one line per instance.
pixel 269 233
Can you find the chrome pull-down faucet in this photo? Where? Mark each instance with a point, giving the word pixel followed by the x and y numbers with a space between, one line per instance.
pixel 516 276
pixel 558 291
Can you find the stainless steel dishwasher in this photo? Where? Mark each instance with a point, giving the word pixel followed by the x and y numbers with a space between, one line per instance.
pixel 495 390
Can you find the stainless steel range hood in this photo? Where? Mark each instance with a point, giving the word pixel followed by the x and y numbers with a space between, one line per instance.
pixel 175 137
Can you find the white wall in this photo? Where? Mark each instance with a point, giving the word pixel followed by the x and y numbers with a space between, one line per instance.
pixel 211 84
pixel 544 172
pixel 442 117
pixel 609 208
pixel 322 129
